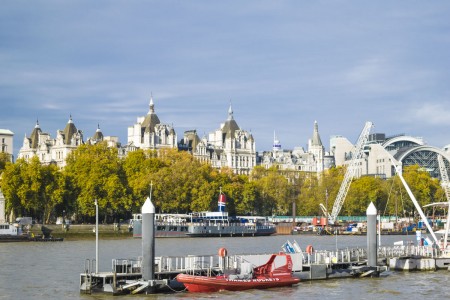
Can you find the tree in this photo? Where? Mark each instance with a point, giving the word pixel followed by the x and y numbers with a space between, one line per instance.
pixel 275 192
pixel 96 173
pixel 33 189
pixel 4 159
pixel 138 167
pixel 11 183
pixel 362 191
pixel 424 188
pixel 310 197
pixel 180 180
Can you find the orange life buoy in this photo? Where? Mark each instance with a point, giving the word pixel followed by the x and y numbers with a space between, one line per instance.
pixel 222 252
pixel 309 249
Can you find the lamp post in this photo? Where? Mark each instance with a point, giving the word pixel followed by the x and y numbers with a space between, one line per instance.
pixel 96 236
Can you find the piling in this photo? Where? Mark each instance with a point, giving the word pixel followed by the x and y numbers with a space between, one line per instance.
pixel 372 247
pixel 148 241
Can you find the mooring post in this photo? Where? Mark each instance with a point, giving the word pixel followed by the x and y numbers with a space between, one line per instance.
pixel 148 242
pixel 372 247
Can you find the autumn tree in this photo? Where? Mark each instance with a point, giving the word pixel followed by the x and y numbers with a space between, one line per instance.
pixel 424 188
pixel 362 192
pixel 4 159
pixel 97 174
pixel 139 166
pixel 32 189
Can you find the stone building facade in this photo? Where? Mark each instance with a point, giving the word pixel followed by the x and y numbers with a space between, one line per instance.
pixel 48 150
pixel 228 146
pixel 149 133
pixel 7 142
pixel 314 159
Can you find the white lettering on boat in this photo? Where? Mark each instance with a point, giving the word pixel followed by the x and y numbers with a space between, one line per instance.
pixel 254 280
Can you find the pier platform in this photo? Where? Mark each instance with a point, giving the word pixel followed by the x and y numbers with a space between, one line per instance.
pixel 126 277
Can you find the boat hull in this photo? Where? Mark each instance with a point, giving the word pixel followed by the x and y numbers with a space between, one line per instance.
pixel 203 284
pixel 162 230
pixel 190 230
pixel 221 230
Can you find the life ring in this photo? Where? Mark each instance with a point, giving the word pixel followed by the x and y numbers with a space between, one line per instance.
pixel 223 252
pixel 309 249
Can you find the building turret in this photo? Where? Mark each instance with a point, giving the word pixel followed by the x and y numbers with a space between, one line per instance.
pixel 98 136
pixel 34 136
pixel 317 149
pixel 69 131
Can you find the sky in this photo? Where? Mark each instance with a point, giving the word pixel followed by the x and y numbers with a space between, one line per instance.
pixel 281 64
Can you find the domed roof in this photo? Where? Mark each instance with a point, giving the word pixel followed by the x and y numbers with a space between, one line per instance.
pixel 98 136
pixel 230 125
pixel 151 119
pixel 69 131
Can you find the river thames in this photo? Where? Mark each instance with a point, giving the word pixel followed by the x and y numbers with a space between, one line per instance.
pixel 52 270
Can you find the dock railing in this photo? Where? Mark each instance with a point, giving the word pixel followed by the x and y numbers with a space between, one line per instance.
pixel 208 264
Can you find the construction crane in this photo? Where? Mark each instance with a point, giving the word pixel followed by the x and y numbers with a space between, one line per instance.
pixel 399 170
pixel 356 154
pixel 446 186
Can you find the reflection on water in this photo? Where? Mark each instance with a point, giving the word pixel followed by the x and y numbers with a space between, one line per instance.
pixel 51 270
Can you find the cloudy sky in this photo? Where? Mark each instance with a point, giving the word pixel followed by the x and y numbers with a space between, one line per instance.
pixel 282 64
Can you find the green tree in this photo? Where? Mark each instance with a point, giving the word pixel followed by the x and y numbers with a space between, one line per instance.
pixel 310 197
pixel 424 188
pixel 180 180
pixel 4 159
pixel 139 166
pixel 11 183
pixel 362 191
pixel 96 172
pixel 275 192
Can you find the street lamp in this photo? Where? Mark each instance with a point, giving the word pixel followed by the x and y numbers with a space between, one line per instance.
pixel 96 236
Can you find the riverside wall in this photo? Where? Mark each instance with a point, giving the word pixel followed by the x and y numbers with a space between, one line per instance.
pixel 79 231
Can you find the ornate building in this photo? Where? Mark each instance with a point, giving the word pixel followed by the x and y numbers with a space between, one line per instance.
pixel 149 133
pixel 51 151
pixel 98 137
pixel 229 146
pixel 315 159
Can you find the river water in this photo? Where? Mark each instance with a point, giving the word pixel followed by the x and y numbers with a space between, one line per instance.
pixel 52 270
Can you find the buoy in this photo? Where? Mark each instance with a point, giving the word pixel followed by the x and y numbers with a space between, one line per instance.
pixel 222 252
pixel 309 249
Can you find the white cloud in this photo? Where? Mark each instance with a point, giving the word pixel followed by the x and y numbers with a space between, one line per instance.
pixel 436 114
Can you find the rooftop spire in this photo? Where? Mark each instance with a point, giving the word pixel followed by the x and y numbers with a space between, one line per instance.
pixel 230 112
pixel 152 106
pixel 316 141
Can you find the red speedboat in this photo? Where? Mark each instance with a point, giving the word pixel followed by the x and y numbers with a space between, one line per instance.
pixel 262 277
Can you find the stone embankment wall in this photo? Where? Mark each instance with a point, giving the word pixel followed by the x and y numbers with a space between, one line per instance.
pixel 80 231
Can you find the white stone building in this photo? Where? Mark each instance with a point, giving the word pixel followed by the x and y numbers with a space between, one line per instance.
pixel 314 159
pixel 228 146
pixel 6 142
pixel 149 133
pixel 48 150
